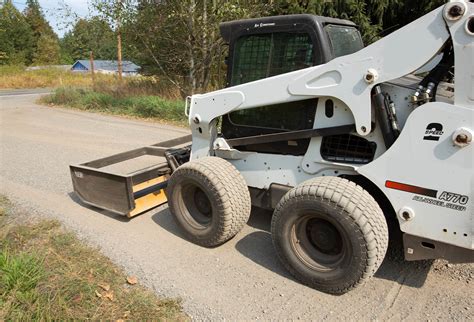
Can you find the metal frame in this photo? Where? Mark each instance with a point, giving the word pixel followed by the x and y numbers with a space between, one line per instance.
pixel 114 191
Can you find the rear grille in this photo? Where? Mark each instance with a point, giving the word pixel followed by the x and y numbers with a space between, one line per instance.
pixel 347 148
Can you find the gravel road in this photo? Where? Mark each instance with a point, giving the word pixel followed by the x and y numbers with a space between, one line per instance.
pixel 240 280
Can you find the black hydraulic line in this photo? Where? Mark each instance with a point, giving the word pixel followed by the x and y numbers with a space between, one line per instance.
pixel 436 75
pixel 383 116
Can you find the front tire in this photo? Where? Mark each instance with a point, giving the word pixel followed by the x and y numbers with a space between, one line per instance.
pixel 330 234
pixel 209 199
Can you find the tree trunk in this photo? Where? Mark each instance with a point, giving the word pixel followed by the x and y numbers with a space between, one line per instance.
pixel 192 62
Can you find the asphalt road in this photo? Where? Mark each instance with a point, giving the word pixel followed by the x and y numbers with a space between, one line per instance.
pixel 239 280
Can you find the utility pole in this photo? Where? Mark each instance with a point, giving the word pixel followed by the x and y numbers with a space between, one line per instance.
pixel 91 60
pixel 119 39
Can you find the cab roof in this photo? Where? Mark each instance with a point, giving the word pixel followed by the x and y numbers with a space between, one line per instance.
pixel 230 28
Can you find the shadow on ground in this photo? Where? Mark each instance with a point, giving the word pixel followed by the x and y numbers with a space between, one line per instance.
pixel 163 218
pixel 258 247
pixel 102 212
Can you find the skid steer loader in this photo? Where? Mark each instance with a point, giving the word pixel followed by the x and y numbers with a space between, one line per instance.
pixel 337 139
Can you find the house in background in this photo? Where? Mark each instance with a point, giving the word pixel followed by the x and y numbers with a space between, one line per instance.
pixel 106 67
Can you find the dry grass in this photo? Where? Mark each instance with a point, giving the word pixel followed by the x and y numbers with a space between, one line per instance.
pixel 15 77
pixel 46 273
pixel 18 77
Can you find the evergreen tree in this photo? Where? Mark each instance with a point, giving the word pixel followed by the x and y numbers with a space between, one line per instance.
pixel 16 36
pixel 42 31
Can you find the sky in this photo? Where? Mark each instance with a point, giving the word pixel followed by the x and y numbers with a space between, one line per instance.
pixel 51 10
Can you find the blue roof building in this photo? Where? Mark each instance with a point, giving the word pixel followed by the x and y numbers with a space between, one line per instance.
pixel 106 67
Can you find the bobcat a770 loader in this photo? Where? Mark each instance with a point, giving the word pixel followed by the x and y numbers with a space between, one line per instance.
pixel 337 139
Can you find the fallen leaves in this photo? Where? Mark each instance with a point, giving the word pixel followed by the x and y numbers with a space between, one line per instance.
pixel 77 298
pixel 132 280
pixel 109 295
pixel 105 287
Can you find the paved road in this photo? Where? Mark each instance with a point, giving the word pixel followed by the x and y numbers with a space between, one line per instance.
pixel 239 280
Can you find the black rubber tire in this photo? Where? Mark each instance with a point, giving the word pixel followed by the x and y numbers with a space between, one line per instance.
pixel 209 199
pixel 357 234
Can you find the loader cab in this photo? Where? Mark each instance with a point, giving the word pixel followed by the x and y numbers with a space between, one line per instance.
pixel 266 47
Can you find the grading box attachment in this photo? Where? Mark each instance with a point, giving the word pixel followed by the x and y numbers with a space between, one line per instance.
pixel 131 182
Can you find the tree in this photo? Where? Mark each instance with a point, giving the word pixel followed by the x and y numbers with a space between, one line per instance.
pixel 16 36
pixel 42 31
pixel 372 16
pixel 47 51
pixel 180 40
pixel 116 12
pixel 88 35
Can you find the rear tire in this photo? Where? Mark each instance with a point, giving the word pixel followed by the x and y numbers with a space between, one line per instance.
pixel 209 199
pixel 330 234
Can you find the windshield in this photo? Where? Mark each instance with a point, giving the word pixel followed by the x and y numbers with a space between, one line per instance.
pixel 344 40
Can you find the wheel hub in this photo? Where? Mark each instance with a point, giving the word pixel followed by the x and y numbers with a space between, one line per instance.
pixel 202 202
pixel 324 236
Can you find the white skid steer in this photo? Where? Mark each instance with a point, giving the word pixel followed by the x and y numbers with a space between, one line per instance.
pixel 340 141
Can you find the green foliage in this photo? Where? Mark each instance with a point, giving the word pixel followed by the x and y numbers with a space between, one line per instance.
pixel 144 106
pixel 19 272
pixel 178 40
pixel 45 41
pixel 88 35
pixel 16 36
pixel 372 16
pixel 26 38
pixel 47 51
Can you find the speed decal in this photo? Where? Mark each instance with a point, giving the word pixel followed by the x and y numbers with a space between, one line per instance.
pixel 410 188
pixel 444 199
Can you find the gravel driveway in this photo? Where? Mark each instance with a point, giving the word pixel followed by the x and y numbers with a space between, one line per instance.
pixel 239 280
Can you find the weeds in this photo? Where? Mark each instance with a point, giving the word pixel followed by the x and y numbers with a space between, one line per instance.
pixel 46 273
pixel 144 106
pixel 19 77
pixel 145 97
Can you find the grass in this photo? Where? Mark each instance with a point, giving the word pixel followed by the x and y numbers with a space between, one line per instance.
pixel 19 77
pixel 141 96
pixel 16 77
pixel 119 102
pixel 46 273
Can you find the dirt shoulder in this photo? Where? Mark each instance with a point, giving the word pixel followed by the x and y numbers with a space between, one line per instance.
pixel 47 273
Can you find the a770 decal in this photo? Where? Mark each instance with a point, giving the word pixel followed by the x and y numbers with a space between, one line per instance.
pixel 444 199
